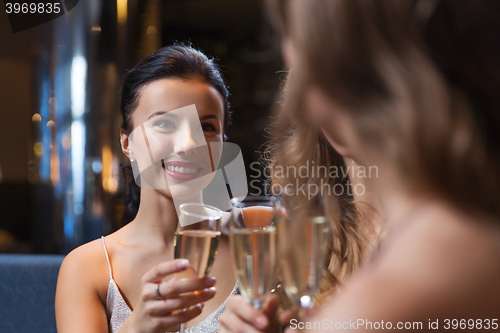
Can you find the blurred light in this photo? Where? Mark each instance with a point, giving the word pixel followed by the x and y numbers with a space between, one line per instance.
pixel 38 149
pixel 78 160
pixel 97 208
pixel 32 165
pixel 69 225
pixel 121 8
pixel 78 209
pixel 78 81
pixel 151 30
pixel 109 182
pixel 36 117
pixel 51 123
pixel 54 167
pixel 97 165
pixel 96 28
pixel 305 301
pixel 66 141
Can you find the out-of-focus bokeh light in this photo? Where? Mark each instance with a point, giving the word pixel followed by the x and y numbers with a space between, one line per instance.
pixel 78 82
pixel 121 7
pixel 109 181
pixel 38 149
pixel 66 141
pixel 36 118
pixel 97 165
pixel 151 30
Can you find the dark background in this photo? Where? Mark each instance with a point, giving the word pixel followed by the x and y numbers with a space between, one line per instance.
pixel 38 213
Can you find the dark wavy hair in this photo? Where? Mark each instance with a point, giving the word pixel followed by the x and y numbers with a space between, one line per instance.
pixel 176 61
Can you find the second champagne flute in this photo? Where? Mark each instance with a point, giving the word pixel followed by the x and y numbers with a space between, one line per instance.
pixel 304 239
pixel 197 239
pixel 252 240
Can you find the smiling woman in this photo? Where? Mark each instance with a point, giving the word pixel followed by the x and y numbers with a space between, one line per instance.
pixel 173 77
pixel 174 108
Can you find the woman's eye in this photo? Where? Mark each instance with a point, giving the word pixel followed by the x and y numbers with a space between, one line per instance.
pixel 208 128
pixel 165 124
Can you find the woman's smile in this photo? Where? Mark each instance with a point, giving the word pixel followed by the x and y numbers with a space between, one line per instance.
pixel 182 170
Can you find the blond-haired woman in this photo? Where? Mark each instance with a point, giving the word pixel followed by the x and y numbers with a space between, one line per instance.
pixel 409 86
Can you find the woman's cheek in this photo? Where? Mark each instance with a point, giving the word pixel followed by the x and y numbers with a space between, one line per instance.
pixel 161 146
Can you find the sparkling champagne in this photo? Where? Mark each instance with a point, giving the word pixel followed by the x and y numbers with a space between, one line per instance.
pixel 302 250
pixel 199 247
pixel 254 257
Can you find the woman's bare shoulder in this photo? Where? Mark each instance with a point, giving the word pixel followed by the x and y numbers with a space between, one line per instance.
pixel 87 266
pixel 439 267
pixel 450 241
pixel 89 253
pixel 82 290
pixel 442 260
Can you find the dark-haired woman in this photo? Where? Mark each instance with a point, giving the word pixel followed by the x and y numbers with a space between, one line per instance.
pixel 125 281
pixel 409 86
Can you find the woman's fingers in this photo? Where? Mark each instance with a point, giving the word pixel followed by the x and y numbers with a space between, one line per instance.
pixel 162 270
pixel 271 306
pixel 232 323
pixel 165 307
pixel 174 288
pixel 245 312
pixel 178 317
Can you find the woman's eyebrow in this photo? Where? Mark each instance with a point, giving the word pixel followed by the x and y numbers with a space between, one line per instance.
pixel 173 115
pixel 159 113
pixel 209 116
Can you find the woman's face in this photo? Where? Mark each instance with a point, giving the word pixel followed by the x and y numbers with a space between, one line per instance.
pixel 178 131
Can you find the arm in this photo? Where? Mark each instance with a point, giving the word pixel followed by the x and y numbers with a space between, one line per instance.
pixel 78 305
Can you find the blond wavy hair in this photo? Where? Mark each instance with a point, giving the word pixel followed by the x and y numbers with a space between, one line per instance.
pixel 295 144
pixel 419 80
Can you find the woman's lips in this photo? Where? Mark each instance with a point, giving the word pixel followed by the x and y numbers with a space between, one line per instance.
pixel 182 170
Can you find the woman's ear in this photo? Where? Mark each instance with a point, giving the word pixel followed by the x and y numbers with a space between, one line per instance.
pixel 125 144
pixel 335 124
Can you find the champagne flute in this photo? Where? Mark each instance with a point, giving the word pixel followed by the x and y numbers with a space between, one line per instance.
pixel 252 240
pixel 197 239
pixel 303 241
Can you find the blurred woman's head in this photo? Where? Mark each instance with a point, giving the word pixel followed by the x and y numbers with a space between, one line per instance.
pixel 174 103
pixel 409 85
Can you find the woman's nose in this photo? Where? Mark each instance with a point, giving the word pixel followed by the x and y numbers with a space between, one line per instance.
pixel 184 143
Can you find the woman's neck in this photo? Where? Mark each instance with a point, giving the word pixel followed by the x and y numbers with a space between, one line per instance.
pixel 156 219
pixel 397 201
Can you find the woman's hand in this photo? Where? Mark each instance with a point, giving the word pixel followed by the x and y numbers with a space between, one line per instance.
pixel 241 317
pixel 179 301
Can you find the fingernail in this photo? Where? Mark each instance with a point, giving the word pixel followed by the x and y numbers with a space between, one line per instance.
pixel 183 263
pixel 261 322
pixel 209 281
pixel 211 290
pixel 200 305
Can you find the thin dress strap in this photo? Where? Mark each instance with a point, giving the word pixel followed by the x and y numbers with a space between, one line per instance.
pixel 107 258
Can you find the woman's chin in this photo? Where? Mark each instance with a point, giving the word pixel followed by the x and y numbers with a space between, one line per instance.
pixel 185 191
